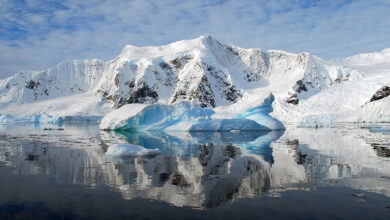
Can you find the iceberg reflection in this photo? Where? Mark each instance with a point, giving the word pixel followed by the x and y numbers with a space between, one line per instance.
pixel 203 169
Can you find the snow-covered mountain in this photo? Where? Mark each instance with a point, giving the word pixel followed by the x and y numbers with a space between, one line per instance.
pixel 214 74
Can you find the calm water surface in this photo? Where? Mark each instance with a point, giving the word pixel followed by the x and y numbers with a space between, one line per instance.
pixel 300 173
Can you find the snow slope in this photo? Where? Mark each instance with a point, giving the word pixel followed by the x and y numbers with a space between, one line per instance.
pixel 346 102
pixel 227 78
pixel 377 111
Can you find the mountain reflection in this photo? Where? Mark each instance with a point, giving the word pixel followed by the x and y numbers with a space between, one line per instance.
pixel 203 169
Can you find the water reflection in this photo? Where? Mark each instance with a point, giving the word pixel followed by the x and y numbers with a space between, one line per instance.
pixel 204 169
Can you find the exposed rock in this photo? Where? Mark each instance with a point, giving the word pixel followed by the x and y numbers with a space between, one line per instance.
pixel 202 93
pixel 300 158
pixel 381 93
pixel 31 84
pixel 300 86
pixel 293 99
pixel 143 94
pixel 381 151
pixel 232 94
pixel 179 62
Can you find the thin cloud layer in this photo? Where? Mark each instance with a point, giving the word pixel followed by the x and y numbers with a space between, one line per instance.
pixel 36 34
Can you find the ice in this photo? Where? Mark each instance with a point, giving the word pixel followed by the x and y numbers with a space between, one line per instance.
pixel 155 117
pixel 122 150
pixel 228 125
pixel 260 114
pixel 185 116
pixel 43 118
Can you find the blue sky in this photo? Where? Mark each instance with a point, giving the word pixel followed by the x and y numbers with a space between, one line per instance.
pixel 36 34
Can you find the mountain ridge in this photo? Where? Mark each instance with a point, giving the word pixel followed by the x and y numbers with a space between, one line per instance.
pixel 202 70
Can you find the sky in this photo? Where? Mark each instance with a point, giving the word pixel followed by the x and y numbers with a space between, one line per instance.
pixel 37 34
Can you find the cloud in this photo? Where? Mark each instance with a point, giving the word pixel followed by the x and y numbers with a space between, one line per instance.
pixel 36 34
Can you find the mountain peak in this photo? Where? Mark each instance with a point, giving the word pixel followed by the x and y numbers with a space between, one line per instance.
pixel 200 43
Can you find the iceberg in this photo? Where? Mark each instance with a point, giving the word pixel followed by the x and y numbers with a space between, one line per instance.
pixel 260 114
pixel 123 150
pixel 187 116
pixel 155 117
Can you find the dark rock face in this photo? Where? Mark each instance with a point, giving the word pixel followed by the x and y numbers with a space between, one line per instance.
pixel 293 99
pixel 179 62
pixel 229 91
pixel 300 158
pixel 232 94
pixel 138 94
pixel 381 151
pixel 31 84
pixel 143 94
pixel 381 93
pixel 203 93
pixel 300 86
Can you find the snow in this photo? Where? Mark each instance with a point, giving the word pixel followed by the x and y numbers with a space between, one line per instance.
pixel 374 112
pixel 232 82
pixel 376 62
pixel 342 102
pixel 117 118
pixel 122 150
pixel 82 106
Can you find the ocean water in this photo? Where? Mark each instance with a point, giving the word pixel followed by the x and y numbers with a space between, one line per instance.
pixel 300 173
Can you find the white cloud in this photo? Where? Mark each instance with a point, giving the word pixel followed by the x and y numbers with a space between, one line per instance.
pixel 37 35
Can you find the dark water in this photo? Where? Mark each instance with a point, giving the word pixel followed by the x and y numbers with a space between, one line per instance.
pixel 300 173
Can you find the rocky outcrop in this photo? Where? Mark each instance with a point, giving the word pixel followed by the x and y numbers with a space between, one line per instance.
pixel 381 93
pixel 293 99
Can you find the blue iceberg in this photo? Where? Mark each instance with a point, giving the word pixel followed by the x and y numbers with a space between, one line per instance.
pixel 187 116
pixel 158 117
pixel 260 114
